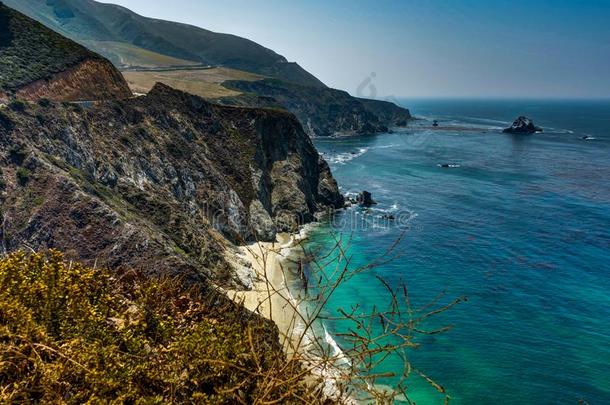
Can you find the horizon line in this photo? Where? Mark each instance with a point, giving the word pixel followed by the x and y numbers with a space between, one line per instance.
pixel 499 98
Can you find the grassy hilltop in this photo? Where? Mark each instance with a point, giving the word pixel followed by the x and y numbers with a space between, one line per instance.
pixel 29 51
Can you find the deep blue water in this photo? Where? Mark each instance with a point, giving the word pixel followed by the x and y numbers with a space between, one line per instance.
pixel 521 228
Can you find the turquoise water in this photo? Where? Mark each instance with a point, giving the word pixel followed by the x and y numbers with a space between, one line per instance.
pixel 521 228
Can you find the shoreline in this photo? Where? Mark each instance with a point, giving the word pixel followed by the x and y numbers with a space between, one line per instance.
pixel 271 297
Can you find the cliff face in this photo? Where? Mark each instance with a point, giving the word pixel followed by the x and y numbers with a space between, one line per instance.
pixel 90 80
pixel 323 112
pixel 36 62
pixel 165 182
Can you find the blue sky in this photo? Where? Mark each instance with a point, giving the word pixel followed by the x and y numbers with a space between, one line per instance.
pixel 419 48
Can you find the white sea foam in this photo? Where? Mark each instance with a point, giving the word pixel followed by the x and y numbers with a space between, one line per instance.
pixel 557 130
pixel 469 122
pixel 343 158
pixel 338 353
pixel 392 145
pixel 498 124
pixel 329 369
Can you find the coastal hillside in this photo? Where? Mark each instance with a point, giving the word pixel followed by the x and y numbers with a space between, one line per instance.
pixel 323 112
pixel 167 182
pixel 181 56
pixel 36 62
pixel 134 212
pixel 203 82
pixel 104 27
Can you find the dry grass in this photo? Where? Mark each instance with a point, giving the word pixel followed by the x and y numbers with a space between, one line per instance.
pixel 206 83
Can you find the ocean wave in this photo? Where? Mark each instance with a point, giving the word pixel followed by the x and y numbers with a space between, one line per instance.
pixel 392 145
pixel 376 218
pixel 338 353
pixel 343 158
pixel 489 121
pixel 471 122
pixel 558 130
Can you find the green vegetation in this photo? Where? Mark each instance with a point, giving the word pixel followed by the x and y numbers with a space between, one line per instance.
pixel 5 122
pixel 44 102
pixel 73 334
pixel 40 118
pixel 29 51
pixel 23 176
pixel 17 154
pixel 17 105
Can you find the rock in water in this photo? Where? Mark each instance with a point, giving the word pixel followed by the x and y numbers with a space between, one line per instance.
pixel 523 125
pixel 365 199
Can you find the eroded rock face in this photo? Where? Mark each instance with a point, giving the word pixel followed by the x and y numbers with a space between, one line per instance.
pixel 91 80
pixel 163 182
pixel 523 125
pixel 323 112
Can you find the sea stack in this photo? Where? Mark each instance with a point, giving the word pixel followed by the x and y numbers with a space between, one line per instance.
pixel 365 199
pixel 523 125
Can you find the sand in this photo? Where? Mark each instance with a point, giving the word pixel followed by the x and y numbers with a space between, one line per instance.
pixel 270 296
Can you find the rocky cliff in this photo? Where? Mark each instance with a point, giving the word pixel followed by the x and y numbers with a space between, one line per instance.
pixel 36 62
pixel 167 182
pixel 323 112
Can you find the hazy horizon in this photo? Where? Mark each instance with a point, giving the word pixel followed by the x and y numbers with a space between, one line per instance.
pixel 437 49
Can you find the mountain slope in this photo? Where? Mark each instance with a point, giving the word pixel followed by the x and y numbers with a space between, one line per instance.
pixel 166 183
pixel 323 112
pixel 129 56
pixel 37 62
pixel 87 20
pixel 122 35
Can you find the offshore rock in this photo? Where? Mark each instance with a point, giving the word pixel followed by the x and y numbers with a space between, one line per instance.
pixel 523 125
pixel 365 199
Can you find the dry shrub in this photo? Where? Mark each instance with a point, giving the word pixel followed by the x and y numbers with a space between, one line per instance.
pixel 74 334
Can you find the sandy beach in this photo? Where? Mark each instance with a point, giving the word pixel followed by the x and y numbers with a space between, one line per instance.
pixel 270 296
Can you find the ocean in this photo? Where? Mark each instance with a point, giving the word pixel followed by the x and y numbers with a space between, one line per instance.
pixel 519 224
